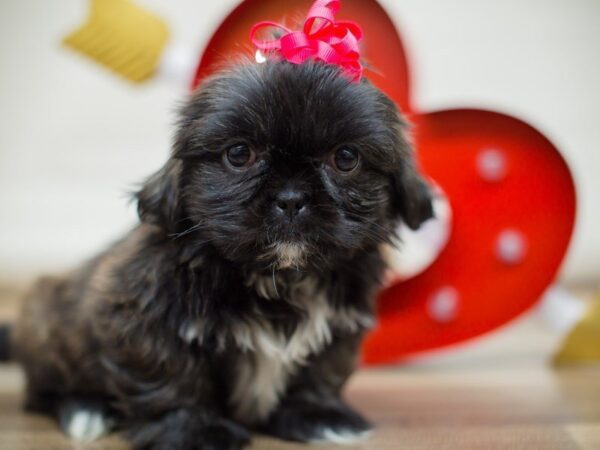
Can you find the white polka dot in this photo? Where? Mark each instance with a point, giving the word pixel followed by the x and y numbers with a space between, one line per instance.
pixel 492 165
pixel 511 247
pixel 443 304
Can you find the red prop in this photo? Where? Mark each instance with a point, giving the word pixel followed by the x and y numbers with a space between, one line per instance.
pixel 512 198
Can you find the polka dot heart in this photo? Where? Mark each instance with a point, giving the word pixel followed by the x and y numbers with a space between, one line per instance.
pixel 511 196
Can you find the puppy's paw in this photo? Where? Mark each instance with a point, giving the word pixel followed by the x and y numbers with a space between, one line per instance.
pixel 84 420
pixel 185 430
pixel 307 422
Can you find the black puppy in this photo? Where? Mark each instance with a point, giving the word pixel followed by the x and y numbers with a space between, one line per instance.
pixel 241 298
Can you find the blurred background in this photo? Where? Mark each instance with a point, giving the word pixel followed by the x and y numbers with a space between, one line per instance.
pixel 75 139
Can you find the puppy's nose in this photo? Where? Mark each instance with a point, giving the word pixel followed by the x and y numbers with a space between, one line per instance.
pixel 291 202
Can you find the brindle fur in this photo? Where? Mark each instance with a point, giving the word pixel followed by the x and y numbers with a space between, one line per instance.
pixel 155 327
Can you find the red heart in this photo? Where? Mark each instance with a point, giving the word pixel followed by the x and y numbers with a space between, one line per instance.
pixel 536 198
pixel 380 42
pixel 533 199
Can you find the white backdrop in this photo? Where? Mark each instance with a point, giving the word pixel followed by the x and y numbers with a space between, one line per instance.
pixel 74 139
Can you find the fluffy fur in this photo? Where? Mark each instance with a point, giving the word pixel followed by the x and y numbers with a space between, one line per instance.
pixel 218 313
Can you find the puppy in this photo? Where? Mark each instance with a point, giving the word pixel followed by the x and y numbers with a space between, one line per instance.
pixel 240 300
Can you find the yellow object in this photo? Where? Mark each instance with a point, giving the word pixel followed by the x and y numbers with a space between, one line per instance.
pixel 582 345
pixel 123 37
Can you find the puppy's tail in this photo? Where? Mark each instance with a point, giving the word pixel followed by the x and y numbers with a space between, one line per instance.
pixel 5 332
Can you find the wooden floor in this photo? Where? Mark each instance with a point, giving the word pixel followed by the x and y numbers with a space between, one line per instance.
pixel 496 394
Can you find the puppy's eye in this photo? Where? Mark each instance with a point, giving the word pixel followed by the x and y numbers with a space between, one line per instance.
pixel 345 159
pixel 240 156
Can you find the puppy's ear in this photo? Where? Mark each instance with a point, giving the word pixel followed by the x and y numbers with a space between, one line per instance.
pixel 159 199
pixel 414 199
pixel 413 196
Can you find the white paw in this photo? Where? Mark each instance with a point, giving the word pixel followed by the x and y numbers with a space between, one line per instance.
pixel 87 425
pixel 344 437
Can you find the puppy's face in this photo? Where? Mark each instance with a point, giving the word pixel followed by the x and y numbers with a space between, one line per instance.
pixel 288 166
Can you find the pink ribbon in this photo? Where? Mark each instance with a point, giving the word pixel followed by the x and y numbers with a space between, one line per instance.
pixel 322 39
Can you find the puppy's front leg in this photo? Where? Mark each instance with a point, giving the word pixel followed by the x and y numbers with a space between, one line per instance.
pixel 312 409
pixel 188 429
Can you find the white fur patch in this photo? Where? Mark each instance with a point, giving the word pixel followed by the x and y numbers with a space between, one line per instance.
pixel 344 437
pixel 87 425
pixel 191 331
pixel 270 357
pixel 288 254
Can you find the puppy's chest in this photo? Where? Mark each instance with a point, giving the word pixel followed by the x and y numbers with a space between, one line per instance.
pixel 269 354
pixel 292 321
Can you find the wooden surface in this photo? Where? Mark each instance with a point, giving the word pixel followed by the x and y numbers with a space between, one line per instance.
pixel 496 394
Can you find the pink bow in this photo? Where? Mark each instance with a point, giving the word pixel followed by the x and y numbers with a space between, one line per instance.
pixel 322 38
